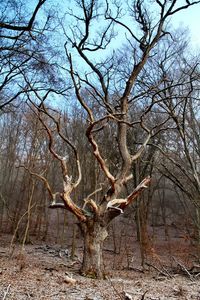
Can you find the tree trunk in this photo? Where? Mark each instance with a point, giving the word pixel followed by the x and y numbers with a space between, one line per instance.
pixel 94 236
pixel 198 224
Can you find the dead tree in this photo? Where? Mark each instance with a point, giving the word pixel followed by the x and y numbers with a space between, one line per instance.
pixel 94 88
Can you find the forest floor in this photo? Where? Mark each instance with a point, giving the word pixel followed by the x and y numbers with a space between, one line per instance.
pixel 46 271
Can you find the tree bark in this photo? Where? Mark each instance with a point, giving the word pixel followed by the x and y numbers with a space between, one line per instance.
pixel 94 235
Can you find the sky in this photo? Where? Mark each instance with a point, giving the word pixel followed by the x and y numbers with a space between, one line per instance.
pixel 190 18
pixel 186 18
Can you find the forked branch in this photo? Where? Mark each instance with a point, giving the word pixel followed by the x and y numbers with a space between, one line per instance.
pixel 121 204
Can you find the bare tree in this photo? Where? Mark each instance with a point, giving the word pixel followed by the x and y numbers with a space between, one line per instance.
pixel 22 37
pixel 180 147
pixel 22 25
pixel 106 101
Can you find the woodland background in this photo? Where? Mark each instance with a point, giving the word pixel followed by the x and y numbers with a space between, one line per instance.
pixel 34 68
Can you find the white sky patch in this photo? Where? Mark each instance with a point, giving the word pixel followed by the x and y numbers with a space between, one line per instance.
pixel 190 18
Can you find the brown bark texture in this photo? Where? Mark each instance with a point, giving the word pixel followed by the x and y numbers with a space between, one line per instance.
pixel 94 236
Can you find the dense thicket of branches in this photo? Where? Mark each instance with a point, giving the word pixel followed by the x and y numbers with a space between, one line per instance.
pixel 86 119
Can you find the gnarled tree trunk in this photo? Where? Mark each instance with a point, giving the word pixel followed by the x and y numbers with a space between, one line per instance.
pixel 94 235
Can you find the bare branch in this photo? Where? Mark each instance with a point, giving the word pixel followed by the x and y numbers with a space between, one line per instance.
pixel 143 185
pixel 141 149
pixel 77 90
pixel 98 155
pixel 42 178
pixel 30 23
pixel 116 206
pixel 65 139
pixel 93 205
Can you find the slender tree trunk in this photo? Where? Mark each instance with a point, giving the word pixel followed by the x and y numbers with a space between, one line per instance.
pixel 73 250
pixel 198 224
pixel 94 236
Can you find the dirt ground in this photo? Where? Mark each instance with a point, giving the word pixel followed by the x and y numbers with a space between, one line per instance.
pixel 46 271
